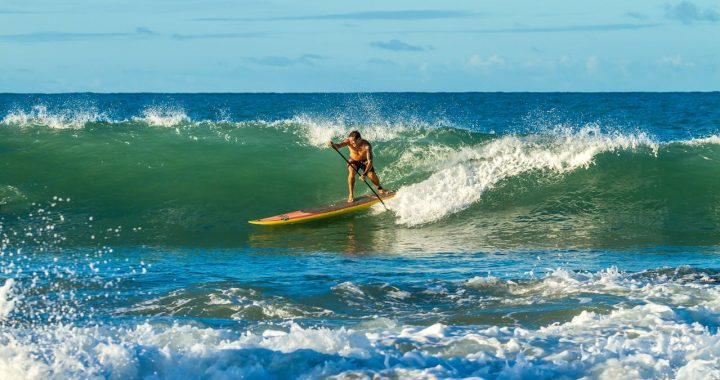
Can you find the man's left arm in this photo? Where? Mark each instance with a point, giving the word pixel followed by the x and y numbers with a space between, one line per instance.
pixel 368 158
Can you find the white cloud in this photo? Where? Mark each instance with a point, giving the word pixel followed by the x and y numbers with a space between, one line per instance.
pixel 493 60
pixel 566 61
pixel 562 62
pixel 592 64
pixel 674 61
pixel 534 62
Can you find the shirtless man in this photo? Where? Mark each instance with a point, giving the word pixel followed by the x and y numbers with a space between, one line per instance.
pixel 361 159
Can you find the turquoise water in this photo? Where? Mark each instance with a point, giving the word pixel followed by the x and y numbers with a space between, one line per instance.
pixel 533 235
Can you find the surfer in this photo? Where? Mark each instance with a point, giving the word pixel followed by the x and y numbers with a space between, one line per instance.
pixel 361 157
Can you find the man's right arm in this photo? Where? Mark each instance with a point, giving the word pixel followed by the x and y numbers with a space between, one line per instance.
pixel 338 145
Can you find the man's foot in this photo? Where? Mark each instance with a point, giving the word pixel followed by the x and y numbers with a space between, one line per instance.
pixel 383 191
pixel 351 199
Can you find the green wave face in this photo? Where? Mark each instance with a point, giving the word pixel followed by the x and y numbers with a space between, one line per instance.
pixel 178 182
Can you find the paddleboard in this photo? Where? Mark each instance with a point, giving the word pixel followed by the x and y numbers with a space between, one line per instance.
pixel 337 208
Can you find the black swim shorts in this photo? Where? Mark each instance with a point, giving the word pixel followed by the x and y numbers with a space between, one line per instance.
pixel 360 165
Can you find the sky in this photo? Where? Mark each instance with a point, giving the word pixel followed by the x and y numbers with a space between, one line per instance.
pixel 342 46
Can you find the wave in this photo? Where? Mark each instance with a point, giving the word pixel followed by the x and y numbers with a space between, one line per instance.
pixel 75 117
pixel 163 116
pixel 240 304
pixel 317 131
pixel 312 130
pixel 191 176
pixel 665 326
pixel 38 115
pixel 467 173
pixel 710 140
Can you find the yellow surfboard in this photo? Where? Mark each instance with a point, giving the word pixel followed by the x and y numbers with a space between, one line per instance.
pixel 337 208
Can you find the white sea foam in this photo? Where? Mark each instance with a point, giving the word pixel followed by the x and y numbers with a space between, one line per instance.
pixel 671 331
pixel 7 301
pixel 418 160
pixel 316 131
pixel 399 294
pixel 670 289
pixel 63 119
pixel 715 139
pixel 483 281
pixel 248 303
pixel 467 173
pixel 240 303
pixel 646 341
pixel 163 116
pixel 349 288
pixel 9 194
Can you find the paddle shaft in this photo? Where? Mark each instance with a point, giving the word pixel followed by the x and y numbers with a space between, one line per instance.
pixel 358 173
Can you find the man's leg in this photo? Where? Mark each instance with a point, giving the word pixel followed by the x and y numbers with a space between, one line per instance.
pixel 351 183
pixel 376 181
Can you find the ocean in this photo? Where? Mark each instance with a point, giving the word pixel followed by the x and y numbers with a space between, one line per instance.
pixel 533 235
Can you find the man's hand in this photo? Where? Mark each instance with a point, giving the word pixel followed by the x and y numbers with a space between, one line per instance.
pixel 362 177
pixel 330 144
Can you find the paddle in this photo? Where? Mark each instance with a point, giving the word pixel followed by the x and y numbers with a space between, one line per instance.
pixel 358 173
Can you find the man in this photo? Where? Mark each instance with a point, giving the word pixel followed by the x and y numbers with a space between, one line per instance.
pixel 360 159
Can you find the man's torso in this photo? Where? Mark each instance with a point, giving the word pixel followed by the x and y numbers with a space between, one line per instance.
pixel 359 153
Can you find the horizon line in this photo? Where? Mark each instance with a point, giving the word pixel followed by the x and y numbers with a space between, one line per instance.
pixel 359 92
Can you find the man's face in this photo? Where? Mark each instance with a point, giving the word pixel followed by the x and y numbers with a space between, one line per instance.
pixel 353 141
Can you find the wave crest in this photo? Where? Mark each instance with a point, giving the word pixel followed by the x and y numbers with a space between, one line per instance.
pixel 163 116
pixel 64 119
pixel 468 172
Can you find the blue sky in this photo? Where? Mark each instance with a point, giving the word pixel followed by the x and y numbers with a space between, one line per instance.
pixel 311 46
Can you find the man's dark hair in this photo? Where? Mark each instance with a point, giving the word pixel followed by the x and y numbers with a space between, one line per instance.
pixel 354 134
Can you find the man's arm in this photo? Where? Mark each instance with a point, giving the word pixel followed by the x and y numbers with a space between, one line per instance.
pixel 368 157
pixel 338 145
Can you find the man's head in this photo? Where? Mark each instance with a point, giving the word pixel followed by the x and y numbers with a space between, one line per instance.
pixel 354 137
